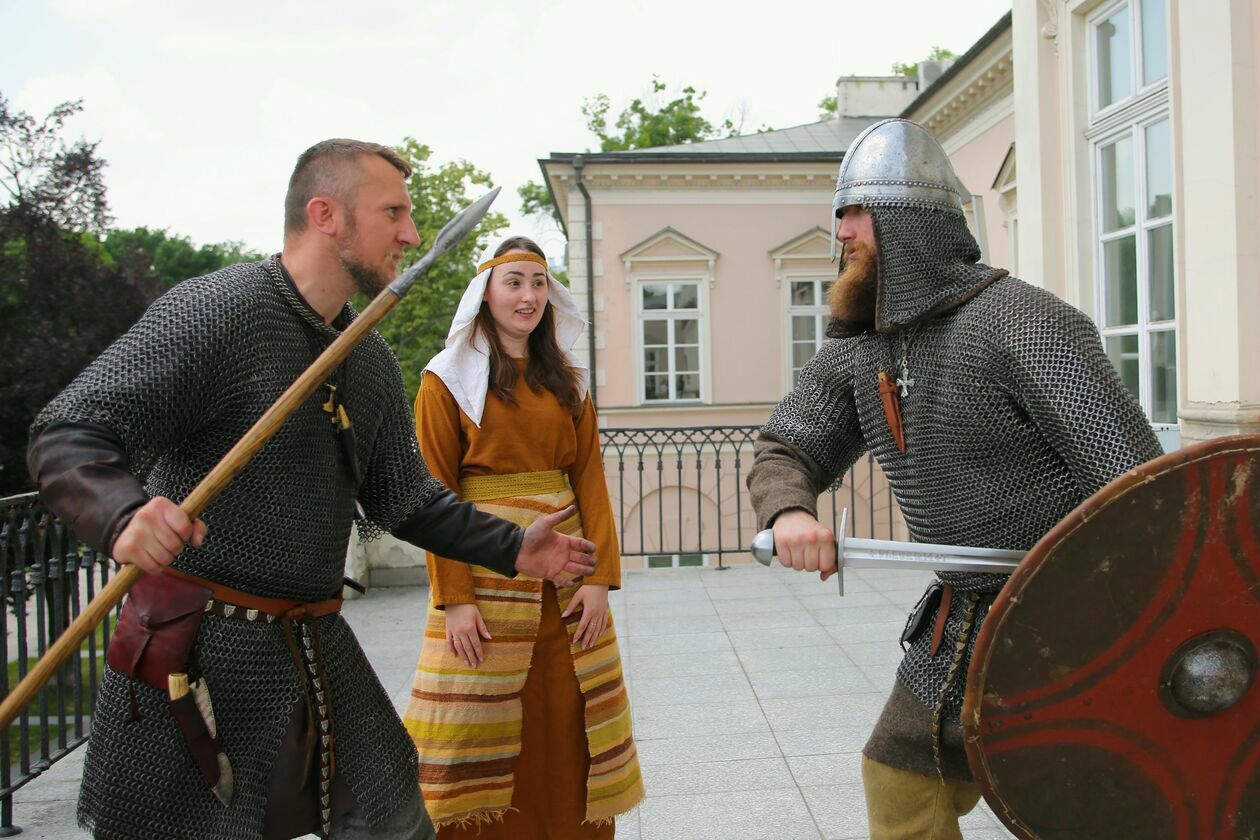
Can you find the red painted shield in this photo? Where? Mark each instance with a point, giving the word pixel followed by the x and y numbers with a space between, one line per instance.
pixel 1113 690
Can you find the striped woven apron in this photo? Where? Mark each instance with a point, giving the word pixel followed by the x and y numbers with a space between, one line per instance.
pixel 466 722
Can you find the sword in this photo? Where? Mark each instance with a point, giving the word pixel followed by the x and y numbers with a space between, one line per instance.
pixel 854 553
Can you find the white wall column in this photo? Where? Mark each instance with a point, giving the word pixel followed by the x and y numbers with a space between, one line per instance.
pixel 1214 102
pixel 1037 153
pixel 579 284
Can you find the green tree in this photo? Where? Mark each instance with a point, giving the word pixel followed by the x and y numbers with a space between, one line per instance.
pixel 40 170
pixel 536 201
pixel 912 70
pixel 647 124
pixel 62 301
pixel 416 329
pixel 161 259
pixel 643 124
pixel 827 107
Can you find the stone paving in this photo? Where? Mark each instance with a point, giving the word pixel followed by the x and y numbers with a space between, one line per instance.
pixel 753 691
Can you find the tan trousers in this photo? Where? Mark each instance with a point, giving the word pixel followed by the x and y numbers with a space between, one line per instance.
pixel 901 805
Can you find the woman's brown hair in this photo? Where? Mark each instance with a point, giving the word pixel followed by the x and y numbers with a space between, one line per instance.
pixel 547 367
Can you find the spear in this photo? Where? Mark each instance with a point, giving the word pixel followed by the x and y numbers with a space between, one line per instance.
pixel 235 460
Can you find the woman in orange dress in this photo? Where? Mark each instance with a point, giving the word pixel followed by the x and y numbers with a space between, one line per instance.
pixel 518 708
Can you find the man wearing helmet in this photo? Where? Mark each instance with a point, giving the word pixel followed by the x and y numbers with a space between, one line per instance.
pixel 993 411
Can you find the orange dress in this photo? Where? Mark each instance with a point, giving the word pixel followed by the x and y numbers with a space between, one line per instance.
pixel 535 435
pixel 551 772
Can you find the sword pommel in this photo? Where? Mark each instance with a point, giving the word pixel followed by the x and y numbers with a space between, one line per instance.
pixel 763 547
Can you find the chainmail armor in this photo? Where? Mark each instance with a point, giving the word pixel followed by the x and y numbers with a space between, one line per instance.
pixel 214 353
pixel 1015 416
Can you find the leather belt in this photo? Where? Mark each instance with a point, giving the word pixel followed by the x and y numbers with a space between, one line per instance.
pixel 233 603
pixel 942 618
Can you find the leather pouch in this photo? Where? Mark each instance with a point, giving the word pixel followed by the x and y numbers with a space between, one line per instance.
pixel 922 615
pixel 158 626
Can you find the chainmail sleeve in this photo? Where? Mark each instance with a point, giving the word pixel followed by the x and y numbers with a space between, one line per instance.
pixel 811 438
pixel 1071 391
pixel 172 357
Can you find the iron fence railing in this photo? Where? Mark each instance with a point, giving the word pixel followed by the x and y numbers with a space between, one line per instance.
pixel 679 492
pixel 46 577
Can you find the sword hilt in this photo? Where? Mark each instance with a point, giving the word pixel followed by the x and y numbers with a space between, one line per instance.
pixel 763 549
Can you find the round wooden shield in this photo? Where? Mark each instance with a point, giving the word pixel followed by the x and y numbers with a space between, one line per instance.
pixel 1113 692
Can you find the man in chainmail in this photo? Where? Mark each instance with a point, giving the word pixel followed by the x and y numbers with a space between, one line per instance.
pixel 993 411
pixel 313 741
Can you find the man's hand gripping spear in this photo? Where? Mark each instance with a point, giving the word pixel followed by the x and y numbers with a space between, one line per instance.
pixel 544 553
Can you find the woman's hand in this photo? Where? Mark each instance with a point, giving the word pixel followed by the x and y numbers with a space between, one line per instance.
pixel 593 599
pixel 464 632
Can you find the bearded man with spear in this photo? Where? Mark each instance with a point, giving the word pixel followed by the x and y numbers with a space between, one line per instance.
pixel 237 702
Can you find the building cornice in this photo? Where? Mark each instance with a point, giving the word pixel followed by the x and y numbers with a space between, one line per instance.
pixel 697 175
pixel 980 78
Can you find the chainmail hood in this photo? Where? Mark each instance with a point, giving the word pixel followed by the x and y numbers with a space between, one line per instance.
pixel 927 262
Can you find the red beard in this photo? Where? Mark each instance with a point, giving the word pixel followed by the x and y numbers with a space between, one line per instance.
pixel 852 296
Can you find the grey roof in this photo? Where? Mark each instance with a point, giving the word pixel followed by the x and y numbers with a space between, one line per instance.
pixel 830 136
pixel 825 140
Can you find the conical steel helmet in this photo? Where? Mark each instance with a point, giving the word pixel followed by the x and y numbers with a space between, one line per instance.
pixel 896 162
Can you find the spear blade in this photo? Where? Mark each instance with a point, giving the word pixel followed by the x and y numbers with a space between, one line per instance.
pixel 451 234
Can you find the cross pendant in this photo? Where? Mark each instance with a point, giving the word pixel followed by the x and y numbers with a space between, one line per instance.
pixel 904 381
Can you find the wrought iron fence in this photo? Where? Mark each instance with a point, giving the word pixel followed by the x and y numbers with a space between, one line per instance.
pixel 46 577
pixel 679 495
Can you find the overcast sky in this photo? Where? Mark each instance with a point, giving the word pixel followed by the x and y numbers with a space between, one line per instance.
pixel 201 108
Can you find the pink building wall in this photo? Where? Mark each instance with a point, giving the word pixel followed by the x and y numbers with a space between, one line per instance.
pixel 977 163
pixel 745 313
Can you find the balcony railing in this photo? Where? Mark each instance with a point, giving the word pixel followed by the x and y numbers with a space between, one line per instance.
pixel 46 577
pixel 680 498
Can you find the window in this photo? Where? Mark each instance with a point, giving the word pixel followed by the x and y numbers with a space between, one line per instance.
pixel 1130 51
pixel 670 329
pixel 668 561
pixel 1131 142
pixel 807 314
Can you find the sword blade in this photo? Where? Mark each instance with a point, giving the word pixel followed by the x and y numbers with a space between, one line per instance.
pixel 890 554
pixel 854 553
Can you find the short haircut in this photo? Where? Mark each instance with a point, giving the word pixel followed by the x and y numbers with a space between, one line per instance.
pixel 327 169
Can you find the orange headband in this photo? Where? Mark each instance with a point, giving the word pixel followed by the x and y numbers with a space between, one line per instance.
pixel 527 256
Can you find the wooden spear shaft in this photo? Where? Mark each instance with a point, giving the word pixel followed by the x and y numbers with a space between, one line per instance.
pixel 245 449
pixel 201 496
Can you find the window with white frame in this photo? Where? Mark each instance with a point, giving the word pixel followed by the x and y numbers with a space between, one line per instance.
pixel 671 339
pixel 1131 141
pixel 807 315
